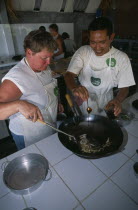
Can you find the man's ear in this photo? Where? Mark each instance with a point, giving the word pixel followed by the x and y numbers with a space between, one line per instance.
pixel 112 37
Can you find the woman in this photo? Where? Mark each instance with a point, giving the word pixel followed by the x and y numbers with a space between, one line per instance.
pixel 28 92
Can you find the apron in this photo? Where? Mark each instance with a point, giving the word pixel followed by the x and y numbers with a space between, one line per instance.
pixel 34 132
pixel 99 85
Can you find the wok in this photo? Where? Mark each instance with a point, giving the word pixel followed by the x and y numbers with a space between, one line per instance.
pixel 25 173
pixel 103 137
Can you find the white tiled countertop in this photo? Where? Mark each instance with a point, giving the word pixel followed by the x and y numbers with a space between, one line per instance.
pixel 108 183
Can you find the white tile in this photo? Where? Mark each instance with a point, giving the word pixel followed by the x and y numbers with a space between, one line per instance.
pixel 52 195
pixel 3 189
pixel 79 208
pixel 125 178
pixel 80 175
pixel 110 164
pixel 109 197
pixel 132 128
pixel 131 146
pixel 135 157
pixel 31 149
pixel 52 148
pixel 12 202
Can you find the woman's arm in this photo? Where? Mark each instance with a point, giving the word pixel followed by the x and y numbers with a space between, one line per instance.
pixel 10 103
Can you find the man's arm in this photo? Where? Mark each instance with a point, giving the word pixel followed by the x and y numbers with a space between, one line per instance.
pixel 122 94
pixel 116 102
pixel 77 90
pixel 10 103
pixel 60 48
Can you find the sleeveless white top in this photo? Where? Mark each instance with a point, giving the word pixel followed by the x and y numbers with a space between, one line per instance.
pixel 29 84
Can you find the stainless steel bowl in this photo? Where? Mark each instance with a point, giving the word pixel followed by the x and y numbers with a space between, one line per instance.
pixel 26 173
pixel 125 118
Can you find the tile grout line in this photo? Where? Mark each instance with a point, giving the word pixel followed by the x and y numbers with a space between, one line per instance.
pixel 124 192
pixel 69 188
pixel 57 162
pixel 63 159
pixel 98 168
pixel 126 155
pixel 94 191
pixel 24 201
pixel 132 134
pixel 5 194
pixel 119 168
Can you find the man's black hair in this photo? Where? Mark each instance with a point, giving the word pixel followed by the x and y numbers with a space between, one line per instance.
pixel 101 23
pixel 42 28
pixel 54 27
pixel 65 35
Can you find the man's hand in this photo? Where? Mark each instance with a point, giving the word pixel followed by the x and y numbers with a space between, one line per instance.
pixel 60 108
pixel 117 106
pixel 81 92
pixel 30 111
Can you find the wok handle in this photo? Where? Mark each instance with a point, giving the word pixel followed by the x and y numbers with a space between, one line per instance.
pixel 50 175
pixel 69 100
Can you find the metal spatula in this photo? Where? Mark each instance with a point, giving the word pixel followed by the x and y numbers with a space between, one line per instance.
pixel 49 125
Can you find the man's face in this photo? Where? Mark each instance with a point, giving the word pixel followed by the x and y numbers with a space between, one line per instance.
pixel 52 32
pixel 39 61
pixel 100 41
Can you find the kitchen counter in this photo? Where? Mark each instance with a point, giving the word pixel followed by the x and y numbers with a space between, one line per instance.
pixel 108 183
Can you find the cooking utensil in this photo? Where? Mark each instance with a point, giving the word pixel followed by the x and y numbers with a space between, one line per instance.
pixel 110 112
pixel 73 108
pixel 26 173
pixel 100 130
pixel 89 109
pixel 46 123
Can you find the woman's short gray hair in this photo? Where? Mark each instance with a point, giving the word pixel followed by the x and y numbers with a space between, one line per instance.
pixel 37 40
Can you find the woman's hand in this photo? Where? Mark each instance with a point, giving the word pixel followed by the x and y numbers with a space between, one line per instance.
pixel 30 111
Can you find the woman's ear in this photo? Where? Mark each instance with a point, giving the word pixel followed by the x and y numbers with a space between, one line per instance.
pixel 28 52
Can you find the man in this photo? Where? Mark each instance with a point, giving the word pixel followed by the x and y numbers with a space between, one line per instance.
pixel 29 93
pixel 59 53
pixel 99 68
pixel 69 44
pixel 42 28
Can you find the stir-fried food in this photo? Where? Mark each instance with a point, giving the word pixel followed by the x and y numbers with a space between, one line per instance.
pixel 89 147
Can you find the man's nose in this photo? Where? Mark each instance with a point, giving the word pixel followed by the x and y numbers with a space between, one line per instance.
pixel 97 47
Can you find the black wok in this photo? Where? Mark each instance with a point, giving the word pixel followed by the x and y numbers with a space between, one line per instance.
pixel 98 130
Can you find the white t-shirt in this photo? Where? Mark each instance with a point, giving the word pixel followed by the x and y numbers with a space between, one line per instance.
pixel 120 64
pixel 32 89
pixel 70 45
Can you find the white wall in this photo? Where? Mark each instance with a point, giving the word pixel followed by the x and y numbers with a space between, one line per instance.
pixel 3 44
pixel 19 31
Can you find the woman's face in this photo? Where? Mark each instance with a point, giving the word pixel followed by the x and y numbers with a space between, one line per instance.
pixel 100 41
pixel 39 61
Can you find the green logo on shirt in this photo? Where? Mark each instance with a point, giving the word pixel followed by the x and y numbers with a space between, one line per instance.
pixel 113 62
pixel 95 81
pixel 56 91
